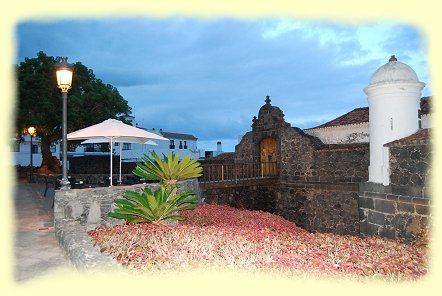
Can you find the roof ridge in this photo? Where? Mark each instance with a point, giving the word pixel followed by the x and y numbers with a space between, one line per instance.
pixel 345 120
pixel 334 126
pixel 178 135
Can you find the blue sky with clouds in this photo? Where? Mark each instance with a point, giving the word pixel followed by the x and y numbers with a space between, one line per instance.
pixel 210 77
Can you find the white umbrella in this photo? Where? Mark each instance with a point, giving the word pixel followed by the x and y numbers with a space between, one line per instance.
pixel 114 130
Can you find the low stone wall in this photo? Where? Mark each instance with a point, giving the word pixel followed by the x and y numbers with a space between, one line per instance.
pixel 323 207
pixel 320 207
pixel 78 210
pixel 252 194
pixel 385 214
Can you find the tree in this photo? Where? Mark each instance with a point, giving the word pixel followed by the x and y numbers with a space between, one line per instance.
pixel 39 104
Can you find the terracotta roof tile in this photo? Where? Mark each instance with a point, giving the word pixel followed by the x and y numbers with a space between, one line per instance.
pixel 358 115
pixel 421 135
pixel 361 115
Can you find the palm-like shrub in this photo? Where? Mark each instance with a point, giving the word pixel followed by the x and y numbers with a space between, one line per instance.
pixel 165 203
pixel 169 169
pixel 153 207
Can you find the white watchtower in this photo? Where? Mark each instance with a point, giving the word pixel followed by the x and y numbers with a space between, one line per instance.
pixel 393 94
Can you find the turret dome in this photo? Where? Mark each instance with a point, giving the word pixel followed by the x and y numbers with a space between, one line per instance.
pixel 393 72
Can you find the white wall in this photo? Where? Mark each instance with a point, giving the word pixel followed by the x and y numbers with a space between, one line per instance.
pixel 138 150
pixel 23 157
pixel 343 134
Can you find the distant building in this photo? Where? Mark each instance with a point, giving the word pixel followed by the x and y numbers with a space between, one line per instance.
pixel 21 151
pixel 210 154
pixel 183 144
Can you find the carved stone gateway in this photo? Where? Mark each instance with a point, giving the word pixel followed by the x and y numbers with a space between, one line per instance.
pixel 265 135
pixel 303 191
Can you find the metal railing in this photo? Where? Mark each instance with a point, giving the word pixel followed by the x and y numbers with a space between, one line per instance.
pixel 238 171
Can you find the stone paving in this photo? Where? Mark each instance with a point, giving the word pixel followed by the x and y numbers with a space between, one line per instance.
pixel 36 248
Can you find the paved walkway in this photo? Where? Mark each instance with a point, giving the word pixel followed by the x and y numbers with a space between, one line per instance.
pixel 36 248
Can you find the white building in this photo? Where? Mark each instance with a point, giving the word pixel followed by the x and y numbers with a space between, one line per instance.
pixel 351 127
pixel 182 144
pixel 21 151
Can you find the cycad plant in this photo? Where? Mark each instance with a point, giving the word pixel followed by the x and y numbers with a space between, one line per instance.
pixel 153 207
pixel 165 203
pixel 169 169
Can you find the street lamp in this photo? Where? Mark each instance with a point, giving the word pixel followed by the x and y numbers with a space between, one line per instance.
pixel 64 81
pixel 31 132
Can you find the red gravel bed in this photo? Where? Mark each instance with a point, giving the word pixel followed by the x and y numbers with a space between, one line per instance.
pixel 223 236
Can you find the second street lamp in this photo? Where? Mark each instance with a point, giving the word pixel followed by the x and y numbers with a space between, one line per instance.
pixel 31 132
pixel 64 73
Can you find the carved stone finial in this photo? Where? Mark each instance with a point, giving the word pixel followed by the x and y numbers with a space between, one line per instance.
pixel 254 122
pixel 268 100
pixel 393 59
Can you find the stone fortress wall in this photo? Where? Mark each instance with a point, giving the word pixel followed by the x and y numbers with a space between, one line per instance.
pixel 400 210
pixel 321 187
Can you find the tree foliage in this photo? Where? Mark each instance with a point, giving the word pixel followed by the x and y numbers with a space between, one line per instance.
pixel 39 103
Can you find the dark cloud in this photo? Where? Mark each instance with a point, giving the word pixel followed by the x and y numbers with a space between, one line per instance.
pixel 210 77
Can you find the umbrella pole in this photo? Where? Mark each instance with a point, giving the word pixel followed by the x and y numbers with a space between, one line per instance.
pixel 111 156
pixel 121 144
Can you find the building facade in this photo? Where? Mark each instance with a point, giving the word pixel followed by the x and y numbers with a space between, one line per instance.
pixel 178 143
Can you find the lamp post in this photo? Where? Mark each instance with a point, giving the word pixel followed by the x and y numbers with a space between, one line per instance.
pixel 64 73
pixel 31 132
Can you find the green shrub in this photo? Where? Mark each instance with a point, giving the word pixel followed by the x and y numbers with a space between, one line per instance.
pixel 153 207
pixel 169 169
pixel 165 203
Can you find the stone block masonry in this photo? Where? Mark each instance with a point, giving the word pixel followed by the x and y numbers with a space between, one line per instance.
pixel 410 168
pixel 385 214
pixel 401 210
pixel 251 194
pixel 342 163
pixel 320 207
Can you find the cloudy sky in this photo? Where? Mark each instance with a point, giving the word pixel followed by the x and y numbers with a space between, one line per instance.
pixel 209 78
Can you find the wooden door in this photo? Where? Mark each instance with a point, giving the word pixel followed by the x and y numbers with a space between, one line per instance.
pixel 268 156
